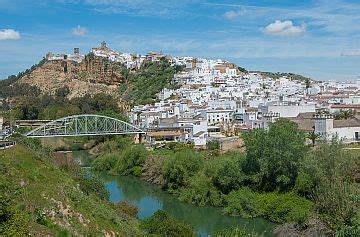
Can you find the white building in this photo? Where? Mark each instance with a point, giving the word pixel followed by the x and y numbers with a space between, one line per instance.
pixel 219 116
pixel 346 130
pixel 289 111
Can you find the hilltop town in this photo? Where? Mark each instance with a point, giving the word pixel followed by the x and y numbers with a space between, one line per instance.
pixel 206 99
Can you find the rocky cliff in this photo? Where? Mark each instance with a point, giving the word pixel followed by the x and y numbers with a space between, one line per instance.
pixel 91 76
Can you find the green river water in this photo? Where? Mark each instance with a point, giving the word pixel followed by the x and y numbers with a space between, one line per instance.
pixel 149 198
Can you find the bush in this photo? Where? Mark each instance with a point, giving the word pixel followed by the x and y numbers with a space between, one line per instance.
pixel 130 160
pixel 201 191
pixel 106 162
pixel 242 202
pixel 127 208
pixel 89 184
pixel 228 174
pixel 283 208
pixel 178 168
pixel 233 231
pixel 213 145
pixel 12 221
pixel 163 225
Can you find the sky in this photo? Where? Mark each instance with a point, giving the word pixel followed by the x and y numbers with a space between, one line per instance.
pixel 315 38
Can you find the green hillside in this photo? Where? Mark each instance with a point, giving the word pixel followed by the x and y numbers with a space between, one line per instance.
pixel 41 199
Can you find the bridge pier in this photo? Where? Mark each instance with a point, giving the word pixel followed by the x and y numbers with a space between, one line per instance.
pixel 139 138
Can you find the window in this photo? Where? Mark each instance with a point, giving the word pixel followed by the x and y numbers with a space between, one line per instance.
pixel 357 136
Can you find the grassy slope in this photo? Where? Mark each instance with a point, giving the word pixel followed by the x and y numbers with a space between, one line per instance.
pixel 53 202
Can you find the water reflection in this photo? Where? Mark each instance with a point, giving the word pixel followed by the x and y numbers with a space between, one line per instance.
pixel 150 198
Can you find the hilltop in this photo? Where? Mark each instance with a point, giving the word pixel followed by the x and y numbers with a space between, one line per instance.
pixel 130 79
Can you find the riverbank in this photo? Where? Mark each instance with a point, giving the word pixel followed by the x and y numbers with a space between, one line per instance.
pixel 150 198
pixel 40 199
pixel 278 178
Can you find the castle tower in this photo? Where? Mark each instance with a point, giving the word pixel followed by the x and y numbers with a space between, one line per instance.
pixel 269 118
pixel 76 51
pixel 103 45
pixel 324 125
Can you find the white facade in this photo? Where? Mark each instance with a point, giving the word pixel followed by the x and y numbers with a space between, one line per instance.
pixel 288 111
pixel 327 127
pixel 219 116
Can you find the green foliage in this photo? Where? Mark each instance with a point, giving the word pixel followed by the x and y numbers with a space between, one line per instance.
pixel 213 145
pixel 142 85
pixel 241 69
pixel 53 107
pixel 346 114
pixel 283 208
pixel 201 191
pixel 328 176
pixel 162 224
pixel 228 173
pixel 176 146
pixel 276 207
pixel 242 202
pixel 26 209
pixel 105 162
pixel 179 168
pixel 131 160
pixel 90 184
pixel 127 208
pixel 292 76
pixel 9 87
pixel 233 231
pixel 12 221
pixel 275 155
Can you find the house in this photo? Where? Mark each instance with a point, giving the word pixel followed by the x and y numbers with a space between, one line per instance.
pixel 347 130
pixel 290 111
pixel 219 115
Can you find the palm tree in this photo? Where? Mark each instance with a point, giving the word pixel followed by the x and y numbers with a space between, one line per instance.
pixel 313 137
pixel 346 114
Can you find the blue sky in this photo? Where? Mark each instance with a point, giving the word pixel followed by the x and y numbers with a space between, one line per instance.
pixel 316 38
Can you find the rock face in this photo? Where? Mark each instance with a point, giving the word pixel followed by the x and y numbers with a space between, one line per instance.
pixel 91 76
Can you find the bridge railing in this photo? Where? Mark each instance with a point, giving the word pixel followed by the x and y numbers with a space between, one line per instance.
pixel 7 144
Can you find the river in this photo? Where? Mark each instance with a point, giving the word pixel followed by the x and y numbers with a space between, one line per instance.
pixel 149 198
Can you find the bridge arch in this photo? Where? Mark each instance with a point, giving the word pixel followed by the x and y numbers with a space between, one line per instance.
pixel 84 125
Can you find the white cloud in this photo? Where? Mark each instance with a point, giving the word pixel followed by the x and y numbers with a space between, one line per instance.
pixel 9 34
pixel 79 31
pixel 230 15
pixel 284 28
pixel 351 53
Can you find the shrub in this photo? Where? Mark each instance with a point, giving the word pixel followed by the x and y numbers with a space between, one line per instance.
pixel 282 208
pixel 228 174
pixel 127 208
pixel 201 191
pixel 178 168
pixel 233 231
pixel 163 225
pixel 213 145
pixel 106 162
pixel 242 202
pixel 89 184
pixel 133 156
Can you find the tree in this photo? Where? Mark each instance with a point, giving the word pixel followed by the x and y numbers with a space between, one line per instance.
pixel 275 154
pixel 178 168
pixel 161 224
pixel 313 137
pixel 346 114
